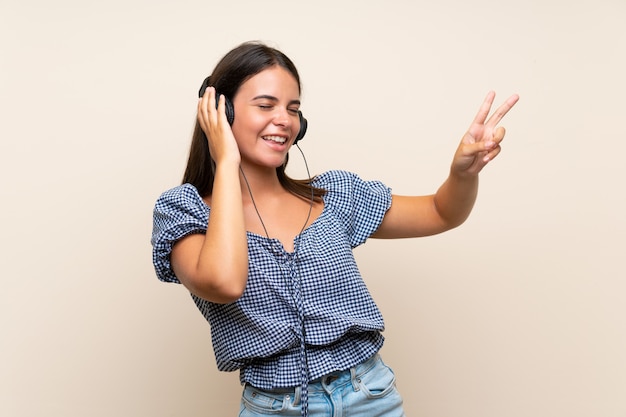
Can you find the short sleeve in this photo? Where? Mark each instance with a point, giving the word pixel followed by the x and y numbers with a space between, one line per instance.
pixel 178 212
pixel 359 205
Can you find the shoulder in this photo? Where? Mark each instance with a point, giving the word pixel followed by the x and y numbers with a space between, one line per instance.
pixel 184 192
pixel 335 179
pixel 183 197
pixel 357 205
pixel 339 181
pixel 178 212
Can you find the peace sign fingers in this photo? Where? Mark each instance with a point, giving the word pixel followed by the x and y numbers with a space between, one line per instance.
pixel 500 112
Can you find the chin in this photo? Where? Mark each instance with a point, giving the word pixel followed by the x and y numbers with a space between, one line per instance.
pixel 276 161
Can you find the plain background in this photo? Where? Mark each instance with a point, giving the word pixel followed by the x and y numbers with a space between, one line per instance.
pixel 519 312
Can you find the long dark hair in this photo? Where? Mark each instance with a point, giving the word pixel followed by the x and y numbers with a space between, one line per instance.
pixel 236 67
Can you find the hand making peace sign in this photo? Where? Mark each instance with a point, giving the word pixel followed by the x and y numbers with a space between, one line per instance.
pixel 481 143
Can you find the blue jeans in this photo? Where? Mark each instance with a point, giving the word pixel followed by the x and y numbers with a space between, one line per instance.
pixel 366 390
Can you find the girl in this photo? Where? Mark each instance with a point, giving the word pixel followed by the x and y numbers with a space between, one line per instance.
pixel 268 259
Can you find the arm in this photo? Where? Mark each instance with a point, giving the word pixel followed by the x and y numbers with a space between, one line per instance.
pixel 452 203
pixel 214 266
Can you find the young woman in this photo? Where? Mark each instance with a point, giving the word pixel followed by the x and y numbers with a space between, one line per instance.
pixel 268 259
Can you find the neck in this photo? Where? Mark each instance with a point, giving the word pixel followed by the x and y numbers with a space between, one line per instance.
pixel 261 182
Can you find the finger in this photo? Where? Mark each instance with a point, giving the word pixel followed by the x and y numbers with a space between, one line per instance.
pixel 476 149
pixel 492 154
pixel 502 110
pixel 483 112
pixel 202 116
pixel 206 107
pixel 221 109
pixel 498 135
pixel 209 102
pixel 493 146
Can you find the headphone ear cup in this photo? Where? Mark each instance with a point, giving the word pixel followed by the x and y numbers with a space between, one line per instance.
pixel 230 109
pixel 303 126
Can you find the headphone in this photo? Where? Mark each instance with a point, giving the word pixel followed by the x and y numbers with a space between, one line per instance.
pixel 230 110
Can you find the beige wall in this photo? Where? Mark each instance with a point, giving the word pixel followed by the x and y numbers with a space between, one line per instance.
pixel 520 312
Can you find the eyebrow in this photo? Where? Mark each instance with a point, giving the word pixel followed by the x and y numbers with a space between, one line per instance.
pixel 268 97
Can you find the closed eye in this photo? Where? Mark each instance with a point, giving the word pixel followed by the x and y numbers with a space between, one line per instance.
pixel 271 101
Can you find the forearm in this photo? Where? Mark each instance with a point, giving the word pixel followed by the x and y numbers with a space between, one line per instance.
pixel 455 198
pixel 416 216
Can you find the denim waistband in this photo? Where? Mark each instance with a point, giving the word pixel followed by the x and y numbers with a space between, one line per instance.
pixel 328 382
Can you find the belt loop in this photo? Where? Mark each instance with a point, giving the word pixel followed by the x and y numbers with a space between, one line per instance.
pixel 296 395
pixel 353 378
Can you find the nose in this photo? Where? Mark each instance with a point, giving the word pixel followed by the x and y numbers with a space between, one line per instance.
pixel 282 118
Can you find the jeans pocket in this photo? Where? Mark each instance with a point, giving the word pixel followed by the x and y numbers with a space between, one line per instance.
pixel 257 402
pixel 378 381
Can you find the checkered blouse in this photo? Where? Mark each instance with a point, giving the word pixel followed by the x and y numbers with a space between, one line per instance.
pixel 260 333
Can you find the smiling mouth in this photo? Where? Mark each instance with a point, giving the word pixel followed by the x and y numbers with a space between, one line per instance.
pixel 277 139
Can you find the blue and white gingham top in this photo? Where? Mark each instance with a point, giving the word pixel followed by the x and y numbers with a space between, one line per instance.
pixel 259 334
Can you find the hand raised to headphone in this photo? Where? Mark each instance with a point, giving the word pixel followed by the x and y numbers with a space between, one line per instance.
pixel 481 143
pixel 214 123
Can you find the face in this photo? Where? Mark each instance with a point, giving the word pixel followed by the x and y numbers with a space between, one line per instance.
pixel 266 117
